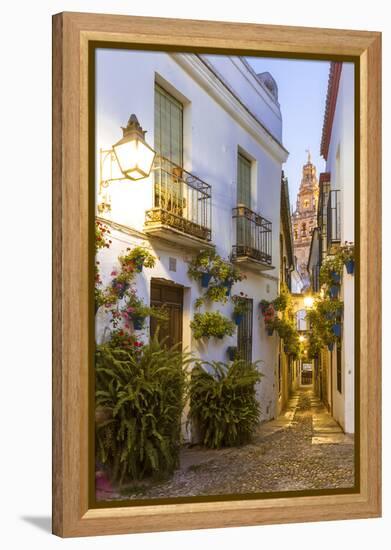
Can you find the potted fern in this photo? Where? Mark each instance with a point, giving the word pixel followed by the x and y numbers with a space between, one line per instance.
pixel 223 402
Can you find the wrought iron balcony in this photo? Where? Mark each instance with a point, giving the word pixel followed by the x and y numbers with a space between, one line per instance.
pixel 333 220
pixel 253 238
pixel 182 204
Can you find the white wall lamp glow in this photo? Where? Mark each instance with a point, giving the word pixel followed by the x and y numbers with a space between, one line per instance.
pixel 134 156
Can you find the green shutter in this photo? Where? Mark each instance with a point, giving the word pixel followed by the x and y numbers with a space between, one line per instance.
pixel 168 126
pixel 244 181
pixel 243 226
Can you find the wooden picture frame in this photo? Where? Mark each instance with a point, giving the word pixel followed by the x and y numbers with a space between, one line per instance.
pixel 72 34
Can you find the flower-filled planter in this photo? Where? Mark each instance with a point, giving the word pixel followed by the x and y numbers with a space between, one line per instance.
pixel 336 276
pixel 120 287
pixel 331 270
pixel 137 258
pixel 347 253
pixel 238 318
pixel 336 328
pixel 205 279
pixel 211 324
pixel 333 291
pixel 240 307
pixel 349 264
pixel 138 323
pixel 208 264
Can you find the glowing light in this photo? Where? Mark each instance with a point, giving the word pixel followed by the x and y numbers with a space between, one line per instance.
pixel 308 301
pixel 135 157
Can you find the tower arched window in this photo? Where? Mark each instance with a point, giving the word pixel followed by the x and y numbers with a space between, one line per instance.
pixel 303 230
pixel 306 203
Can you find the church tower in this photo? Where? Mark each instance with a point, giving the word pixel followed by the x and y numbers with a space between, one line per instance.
pixel 304 219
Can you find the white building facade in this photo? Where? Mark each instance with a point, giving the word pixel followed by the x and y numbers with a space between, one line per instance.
pixel 218 127
pixel 337 226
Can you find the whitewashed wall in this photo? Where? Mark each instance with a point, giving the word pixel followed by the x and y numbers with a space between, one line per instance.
pixel 213 133
pixel 340 164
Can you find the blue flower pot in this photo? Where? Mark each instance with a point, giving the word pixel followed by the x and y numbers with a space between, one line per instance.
pixel 336 328
pixel 238 318
pixel 231 351
pixel 138 323
pixel 228 286
pixel 330 346
pixel 349 267
pixel 139 267
pixel 333 291
pixel 205 279
pixel 336 276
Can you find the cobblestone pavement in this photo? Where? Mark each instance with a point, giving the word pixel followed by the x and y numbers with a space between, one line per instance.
pixel 302 449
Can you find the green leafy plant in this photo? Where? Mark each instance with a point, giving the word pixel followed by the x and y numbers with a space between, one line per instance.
pixel 223 403
pixel 347 251
pixel 287 331
pixel 225 272
pixel 240 304
pixel 222 271
pixel 209 324
pixel 137 256
pixel 214 293
pixel 202 263
pixel 332 264
pixel 135 308
pixel 142 394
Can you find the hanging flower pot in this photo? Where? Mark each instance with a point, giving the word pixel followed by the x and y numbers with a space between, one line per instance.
pixel 336 328
pixel 333 291
pixel 330 346
pixel 349 264
pixel 205 279
pixel 238 318
pixel 228 286
pixel 231 351
pixel 139 266
pixel 336 277
pixel 138 323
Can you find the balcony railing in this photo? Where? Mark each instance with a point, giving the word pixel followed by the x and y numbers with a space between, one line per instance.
pixel 333 218
pixel 253 236
pixel 181 201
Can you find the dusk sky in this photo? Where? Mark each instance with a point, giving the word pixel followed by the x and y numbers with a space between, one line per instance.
pixel 302 88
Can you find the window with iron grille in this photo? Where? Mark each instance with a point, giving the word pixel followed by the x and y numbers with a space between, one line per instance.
pixel 245 333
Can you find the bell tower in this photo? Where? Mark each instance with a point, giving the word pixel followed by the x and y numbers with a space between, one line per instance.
pixel 304 218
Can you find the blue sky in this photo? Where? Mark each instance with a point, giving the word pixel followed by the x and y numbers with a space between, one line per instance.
pixel 302 88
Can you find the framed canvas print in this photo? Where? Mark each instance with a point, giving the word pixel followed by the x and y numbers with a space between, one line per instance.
pixel 216 229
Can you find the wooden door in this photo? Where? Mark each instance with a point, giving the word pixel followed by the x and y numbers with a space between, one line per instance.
pixel 171 298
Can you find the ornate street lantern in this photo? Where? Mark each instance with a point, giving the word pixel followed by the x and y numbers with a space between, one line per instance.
pixel 135 157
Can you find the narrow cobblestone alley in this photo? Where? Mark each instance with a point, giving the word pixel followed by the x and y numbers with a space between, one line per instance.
pixel 302 449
